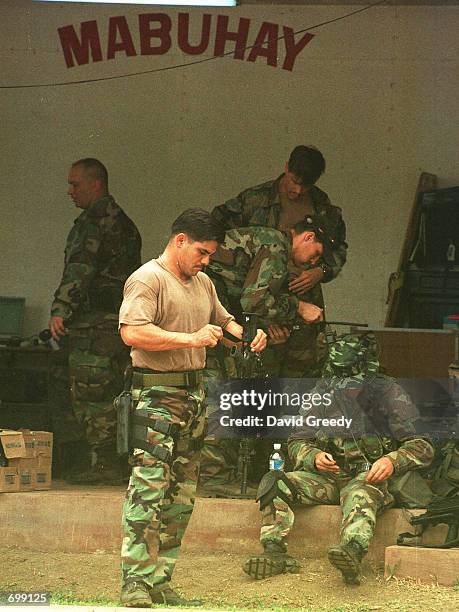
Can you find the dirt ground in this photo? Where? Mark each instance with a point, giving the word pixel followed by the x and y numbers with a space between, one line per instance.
pixel 219 580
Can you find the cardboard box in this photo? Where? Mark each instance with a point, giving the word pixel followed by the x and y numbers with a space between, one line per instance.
pixel 29 454
pixel 9 479
pixel 22 462
pixel 26 479
pixel 41 478
pixel 30 462
pixel 28 443
pixel 13 443
pixel 43 443
pixel 38 443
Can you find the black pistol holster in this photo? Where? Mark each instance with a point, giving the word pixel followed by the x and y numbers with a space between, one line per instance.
pixel 132 431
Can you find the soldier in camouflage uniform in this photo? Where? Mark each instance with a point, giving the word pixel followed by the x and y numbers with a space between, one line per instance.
pixel 250 273
pixel 347 467
pixel 279 204
pixel 170 314
pixel 102 250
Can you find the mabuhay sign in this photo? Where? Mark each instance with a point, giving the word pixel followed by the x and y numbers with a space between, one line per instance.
pixel 157 34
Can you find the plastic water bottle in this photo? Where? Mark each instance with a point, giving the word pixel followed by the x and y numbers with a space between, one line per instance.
pixel 276 458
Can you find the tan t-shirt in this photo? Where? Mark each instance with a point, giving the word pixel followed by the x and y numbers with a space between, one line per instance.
pixel 152 294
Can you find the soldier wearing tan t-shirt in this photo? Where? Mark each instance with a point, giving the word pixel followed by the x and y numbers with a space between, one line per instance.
pixel 169 315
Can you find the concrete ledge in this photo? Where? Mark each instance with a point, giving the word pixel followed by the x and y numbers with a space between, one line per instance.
pixel 429 565
pixel 80 519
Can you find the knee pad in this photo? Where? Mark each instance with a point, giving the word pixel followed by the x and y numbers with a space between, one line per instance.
pixel 268 489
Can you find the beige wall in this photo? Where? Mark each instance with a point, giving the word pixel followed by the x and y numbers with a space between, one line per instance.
pixel 377 93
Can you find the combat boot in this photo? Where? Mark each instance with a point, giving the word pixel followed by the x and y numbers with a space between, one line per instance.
pixel 273 561
pixel 169 597
pixel 347 558
pixel 135 594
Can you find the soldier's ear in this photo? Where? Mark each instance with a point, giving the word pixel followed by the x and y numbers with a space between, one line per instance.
pixel 180 239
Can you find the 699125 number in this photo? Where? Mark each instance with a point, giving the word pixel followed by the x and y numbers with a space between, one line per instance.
pixel 20 598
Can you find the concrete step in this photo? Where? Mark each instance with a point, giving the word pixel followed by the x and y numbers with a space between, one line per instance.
pixel 429 565
pixel 88 519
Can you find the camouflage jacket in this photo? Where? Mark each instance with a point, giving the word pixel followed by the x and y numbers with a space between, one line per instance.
pixel 261 205
pixel 102 250
pixel 384 421
pixel 249 271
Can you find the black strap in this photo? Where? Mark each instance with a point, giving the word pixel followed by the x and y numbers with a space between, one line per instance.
pixel 159 425
pixel 157 451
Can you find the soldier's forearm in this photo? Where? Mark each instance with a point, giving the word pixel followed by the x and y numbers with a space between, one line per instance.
pixel 412 454
pixel 302 454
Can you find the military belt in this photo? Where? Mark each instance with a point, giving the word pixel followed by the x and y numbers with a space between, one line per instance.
pixel 143 377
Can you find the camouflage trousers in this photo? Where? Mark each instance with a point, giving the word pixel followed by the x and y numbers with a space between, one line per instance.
pixel 66 427
pixel 160 496
pixel 219 457
pixel 97 360
pixel 360 503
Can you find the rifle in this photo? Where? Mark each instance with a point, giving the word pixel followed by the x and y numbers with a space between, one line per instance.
pixel 248 365
pixel 439 511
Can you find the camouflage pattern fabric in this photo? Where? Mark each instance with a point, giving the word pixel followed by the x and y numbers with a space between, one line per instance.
pixel 97 360
pixel 302 356
pixel 360 503
pixel 261 205
pixel 250 274
pixel 304 352
pixel 250 271
pixel 383 423
pixel 65 425
pixel 352 356
pixel 219 458
pixel 102 250
pixel 376 403
pixel 160 497
pixel 218 464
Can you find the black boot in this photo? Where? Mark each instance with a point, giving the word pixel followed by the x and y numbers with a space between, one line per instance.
pixel 273 561
pixel 169 597
pixel 347 558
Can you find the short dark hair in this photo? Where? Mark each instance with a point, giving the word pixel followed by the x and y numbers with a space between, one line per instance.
pixel 308 225
pixel 307 163
pixel 320 228
pixel 199 225
pixel 95 169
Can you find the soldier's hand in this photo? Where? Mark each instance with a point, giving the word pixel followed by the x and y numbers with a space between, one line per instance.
pixel 208 335
pixel 380 470
pixel 278 334
pixel 258 344
pixel 57 327
pixel 324 462
pixel 310 313
pixel 306 280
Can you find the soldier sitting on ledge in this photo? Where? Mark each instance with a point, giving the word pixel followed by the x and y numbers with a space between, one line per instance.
pixel 353 468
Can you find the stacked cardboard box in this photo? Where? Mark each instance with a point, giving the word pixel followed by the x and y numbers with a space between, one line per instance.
pixel 25 460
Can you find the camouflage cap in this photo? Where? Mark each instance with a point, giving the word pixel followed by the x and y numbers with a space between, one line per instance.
pixel 352 355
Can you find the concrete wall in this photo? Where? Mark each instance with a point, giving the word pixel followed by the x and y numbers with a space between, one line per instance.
pixel 376 92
